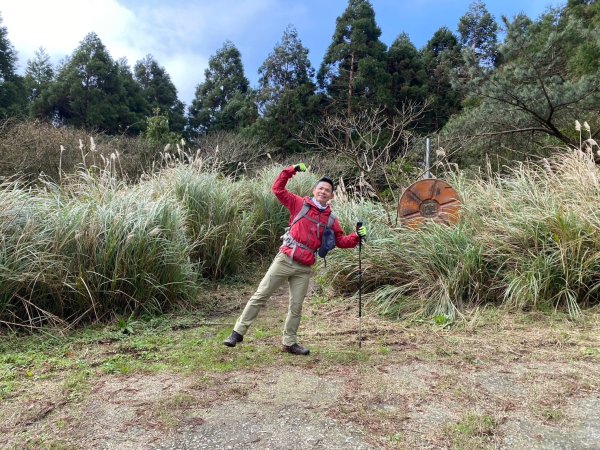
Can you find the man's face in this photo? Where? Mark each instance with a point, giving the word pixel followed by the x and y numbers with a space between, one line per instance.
pixel 323 192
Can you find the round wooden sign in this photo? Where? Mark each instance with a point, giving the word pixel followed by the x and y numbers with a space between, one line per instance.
pixel 429 199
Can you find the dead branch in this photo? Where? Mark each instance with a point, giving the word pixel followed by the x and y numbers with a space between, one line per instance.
pixel 371 138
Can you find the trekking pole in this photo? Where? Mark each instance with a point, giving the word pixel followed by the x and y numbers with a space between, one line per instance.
pixel 358 225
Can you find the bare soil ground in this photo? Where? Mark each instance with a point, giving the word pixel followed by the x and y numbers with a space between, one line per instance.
pixel 498 381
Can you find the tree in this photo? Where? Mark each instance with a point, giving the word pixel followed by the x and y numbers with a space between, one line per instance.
pixel 93 91
pixel 538 91
pixel 286 94
pixel 13 97
pixel 157 130
pixel 353 73
pixel 408 75
pixel 223 101
pixel 39 75
pixel 8 55
pixel 586 60
pixel 285 69
pixel 160 92
pixel 440 57
pixel 84 88
pixel 133 108
pixel 478 35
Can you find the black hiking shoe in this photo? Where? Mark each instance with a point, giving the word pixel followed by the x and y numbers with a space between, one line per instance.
pixel 296 349
pixel 232 340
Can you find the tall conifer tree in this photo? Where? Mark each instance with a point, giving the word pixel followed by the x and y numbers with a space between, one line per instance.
pixel 160 92
pixel 223 101
pixel 478 35
pixel 353 73
pixel 13 97
pixel 441 56
pixel 39 74
pixel 93 91
pixel 286 94
pixel 405 65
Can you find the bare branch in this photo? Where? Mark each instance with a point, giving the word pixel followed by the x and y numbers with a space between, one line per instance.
pixel 371 138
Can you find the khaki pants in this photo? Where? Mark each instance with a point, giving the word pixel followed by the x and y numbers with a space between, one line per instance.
pixel 281 270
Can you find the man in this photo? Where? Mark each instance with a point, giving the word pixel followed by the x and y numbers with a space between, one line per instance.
pixel 296 256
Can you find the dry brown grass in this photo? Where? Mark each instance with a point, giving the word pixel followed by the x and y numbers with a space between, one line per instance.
pixel 496 380
pixel 428 386
pixel 33 148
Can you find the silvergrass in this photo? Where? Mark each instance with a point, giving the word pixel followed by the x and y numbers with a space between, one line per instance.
pixel 527 239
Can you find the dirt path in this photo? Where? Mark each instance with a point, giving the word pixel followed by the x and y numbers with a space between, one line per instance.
pixel 500 382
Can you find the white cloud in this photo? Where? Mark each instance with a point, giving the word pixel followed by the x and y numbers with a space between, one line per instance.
pixel 180 35
pixel 186 71
pixel 59 26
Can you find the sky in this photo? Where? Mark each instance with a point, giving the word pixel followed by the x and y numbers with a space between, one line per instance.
pixel 182 35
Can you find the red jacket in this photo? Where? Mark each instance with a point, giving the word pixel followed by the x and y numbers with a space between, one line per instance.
pixel 305 231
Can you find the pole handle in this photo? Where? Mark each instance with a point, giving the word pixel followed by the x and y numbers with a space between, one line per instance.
pixel 360 238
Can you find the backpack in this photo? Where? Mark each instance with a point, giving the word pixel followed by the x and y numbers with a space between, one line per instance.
pixel 327 239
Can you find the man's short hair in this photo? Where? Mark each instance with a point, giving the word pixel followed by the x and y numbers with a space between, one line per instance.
pixel 326 180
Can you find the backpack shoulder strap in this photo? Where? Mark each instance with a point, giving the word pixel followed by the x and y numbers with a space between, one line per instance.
pixel 331 219
pixel 301 214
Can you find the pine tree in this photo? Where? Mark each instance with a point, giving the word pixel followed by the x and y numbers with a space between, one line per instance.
pixel 223 101
pixel 85 92
pixel 133 108
pixel 408 75
pixel 93 91
pixel 13 97
pixel 538 91
pixel 478 35
pixel 8 55
pixel 160 92
pixel 39 75
pixel 441 56
pixel 353 73
pixel 286 94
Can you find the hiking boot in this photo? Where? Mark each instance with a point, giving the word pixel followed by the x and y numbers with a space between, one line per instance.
pixel 232 340
pixel 296 349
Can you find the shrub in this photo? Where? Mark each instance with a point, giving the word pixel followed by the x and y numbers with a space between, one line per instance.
pixel 35 148
pixel 88 251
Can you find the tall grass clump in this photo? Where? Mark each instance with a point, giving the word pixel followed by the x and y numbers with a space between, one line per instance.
pixel 434 271
pixel 218 216
pixel 88 250
pixel 29 270
pixel 540 227
pixel 127 251
pixel 527 239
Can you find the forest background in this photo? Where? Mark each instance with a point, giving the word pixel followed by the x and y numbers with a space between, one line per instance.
pixel 513 98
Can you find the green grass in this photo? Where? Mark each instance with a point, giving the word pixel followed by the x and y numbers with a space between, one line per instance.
pixel 550 414
pixel 177 345
pixel 471 431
